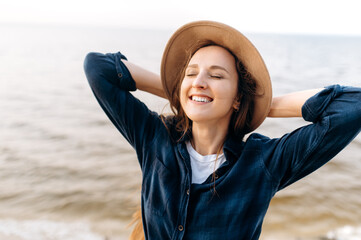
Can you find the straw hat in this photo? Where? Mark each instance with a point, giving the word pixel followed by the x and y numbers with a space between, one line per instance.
pixel 187 39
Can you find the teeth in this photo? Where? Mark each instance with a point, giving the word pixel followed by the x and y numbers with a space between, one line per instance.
pixel 200 99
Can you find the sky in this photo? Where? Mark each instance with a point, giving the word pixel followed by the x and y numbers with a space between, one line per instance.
pixel 276 16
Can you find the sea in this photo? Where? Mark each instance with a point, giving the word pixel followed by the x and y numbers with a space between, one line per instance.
pixel 66 172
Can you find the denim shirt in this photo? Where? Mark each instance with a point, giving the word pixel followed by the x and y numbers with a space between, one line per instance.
pixel 234 205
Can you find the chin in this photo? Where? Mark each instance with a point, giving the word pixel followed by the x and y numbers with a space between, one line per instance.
pixel 198 118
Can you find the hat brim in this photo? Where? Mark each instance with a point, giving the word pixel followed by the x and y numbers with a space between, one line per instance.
pixel 186 41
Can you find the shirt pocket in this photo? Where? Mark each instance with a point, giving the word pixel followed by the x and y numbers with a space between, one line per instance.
pixel 157 188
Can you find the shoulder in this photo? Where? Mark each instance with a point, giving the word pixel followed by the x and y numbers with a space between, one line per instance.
pixel 262 143
pixel 257 139
pixel 253 143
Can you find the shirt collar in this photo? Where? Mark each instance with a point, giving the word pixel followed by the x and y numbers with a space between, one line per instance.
pixel 232 145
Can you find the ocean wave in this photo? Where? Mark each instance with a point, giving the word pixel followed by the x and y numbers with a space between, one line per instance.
pixel 11 229
pixel 345 233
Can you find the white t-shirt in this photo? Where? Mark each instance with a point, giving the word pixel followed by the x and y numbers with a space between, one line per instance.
pixel 203 166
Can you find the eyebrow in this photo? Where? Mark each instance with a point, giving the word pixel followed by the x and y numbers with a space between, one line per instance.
pixel 211 67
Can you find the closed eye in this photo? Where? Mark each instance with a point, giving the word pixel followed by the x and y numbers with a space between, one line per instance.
pixel 216 76
pixel 191 74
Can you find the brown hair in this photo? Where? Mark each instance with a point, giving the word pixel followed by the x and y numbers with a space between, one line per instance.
pixel 137 233
pixel 239 125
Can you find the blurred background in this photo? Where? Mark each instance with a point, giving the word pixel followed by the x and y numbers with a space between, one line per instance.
pixel 65 171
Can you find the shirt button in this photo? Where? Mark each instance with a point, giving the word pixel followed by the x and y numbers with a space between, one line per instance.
pixel 120 75
pixel 216 176
pixel 180 228
pixel 187 191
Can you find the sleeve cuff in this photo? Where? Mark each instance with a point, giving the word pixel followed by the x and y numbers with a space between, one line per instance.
pixel 125 78
pixel 314 108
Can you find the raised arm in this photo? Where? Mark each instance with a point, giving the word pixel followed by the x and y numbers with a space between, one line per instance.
pixel 290 105
pixel 111 82
pixel 145 80
pixel 335 120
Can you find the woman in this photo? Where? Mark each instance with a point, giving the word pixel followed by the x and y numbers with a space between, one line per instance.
pixel 201 179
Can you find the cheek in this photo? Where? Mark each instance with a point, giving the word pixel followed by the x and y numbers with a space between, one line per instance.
pixel 183 91
pixel 234 90
pixel 227 95
pixel 227 91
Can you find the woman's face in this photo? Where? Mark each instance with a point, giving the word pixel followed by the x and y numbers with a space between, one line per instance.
pixel 209 88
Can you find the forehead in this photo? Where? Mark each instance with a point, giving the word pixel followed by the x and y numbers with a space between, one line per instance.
pixel 213 55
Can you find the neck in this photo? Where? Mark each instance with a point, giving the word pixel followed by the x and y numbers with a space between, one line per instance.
pixel 208 139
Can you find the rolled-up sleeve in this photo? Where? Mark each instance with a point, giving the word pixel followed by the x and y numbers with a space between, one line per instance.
pixel 111 81
pixel 335 114
pixel 110 67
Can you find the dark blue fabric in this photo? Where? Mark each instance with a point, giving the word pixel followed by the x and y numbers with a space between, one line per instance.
pixel 172 207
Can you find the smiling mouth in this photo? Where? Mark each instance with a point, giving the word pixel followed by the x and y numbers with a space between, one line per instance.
pixel 201 99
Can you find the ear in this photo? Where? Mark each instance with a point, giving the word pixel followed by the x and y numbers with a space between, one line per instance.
pixel 236 104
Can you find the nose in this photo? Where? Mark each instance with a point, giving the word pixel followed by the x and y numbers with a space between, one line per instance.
pixel 200 81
